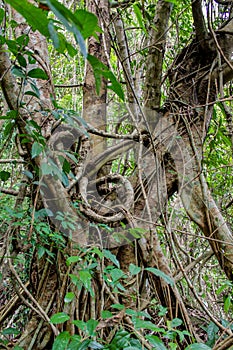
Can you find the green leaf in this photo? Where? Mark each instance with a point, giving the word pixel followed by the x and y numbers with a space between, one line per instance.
pixel 35 89
pixel 89 23
pixel 69 20
pixel 2 14
pixel 108 255
pixel 172 2
pixel 118 306
pixel 84 345
pixel 37 73
pixel 156 342
pixel 138 14
pixel 101 70
pixel 18 72
pixel 91 326
pixel 75 341
pixel 69 297
pixel 61 341
pixel 134 270
pixel 80 324
pixel 35 17
pixel 10 331
pixel 85 278
pixel 198 346
pixel 22 61
pixel 160 274
pixel 4 175
pixel 76 281
pixel 60 317
pixel 41 251
pixel 53 35
pixel 8 128
pixel 72 259
pixel 139 323
pixel 106 314
pixel 37 148
pixel 31 93
pixel 95 345
pixel 176 322
pixel 227 303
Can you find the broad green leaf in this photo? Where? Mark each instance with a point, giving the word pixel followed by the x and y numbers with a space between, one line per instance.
pixel 37 73
pixel 134 270
pixel 227 303
pixel 37 148
pixel 18 348
pixel 95 345
pixel 89 23
pixel 139 323
pixel 176 322
pixel 41 251
pixel 80 324
pixel 69 297
pixel 69 20
pixel 10 331
pixel 198 346
pixel 34 16
pixel 4 175
pixel 91 326
pixel 2 14
pixel 108 255
pixel 21 61
pixel 72 259
pixel 118 306
pixel 156 342
pixel 160 274
pixel 106 314
pixel 75 341
pixel 61 341
pixel 18 72
pixel 85 278
pixel 60 317
pixel 101 70
pixel 76 280
pixel 53 35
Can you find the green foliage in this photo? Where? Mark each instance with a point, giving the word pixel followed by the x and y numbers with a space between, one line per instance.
pixel 35 17
pixel 160 274
pixel 101 70
pixel 59 317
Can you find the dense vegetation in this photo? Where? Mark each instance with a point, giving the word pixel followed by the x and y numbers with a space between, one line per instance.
pixel 116 162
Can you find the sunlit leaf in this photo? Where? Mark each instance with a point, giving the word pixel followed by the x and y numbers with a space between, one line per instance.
pixel 69 297
pixel 60 317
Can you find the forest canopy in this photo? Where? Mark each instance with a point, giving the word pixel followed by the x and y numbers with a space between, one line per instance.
pixel 116 144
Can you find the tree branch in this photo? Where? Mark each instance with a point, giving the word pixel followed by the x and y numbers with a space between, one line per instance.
pixel 153 79
pixel 199 23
